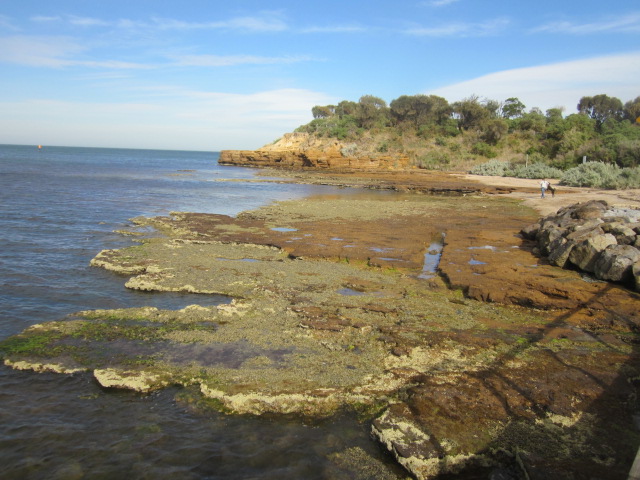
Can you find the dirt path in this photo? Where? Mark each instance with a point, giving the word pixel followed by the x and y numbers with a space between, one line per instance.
pixel 529 191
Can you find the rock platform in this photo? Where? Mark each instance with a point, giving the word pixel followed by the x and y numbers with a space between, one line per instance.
pixel 467 351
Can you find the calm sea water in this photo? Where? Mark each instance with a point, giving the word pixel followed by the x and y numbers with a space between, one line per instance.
pixel 59 206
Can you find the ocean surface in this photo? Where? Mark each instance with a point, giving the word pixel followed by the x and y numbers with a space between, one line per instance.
pixel 59 207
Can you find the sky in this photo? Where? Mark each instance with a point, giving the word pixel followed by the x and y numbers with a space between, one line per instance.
pixel 212 75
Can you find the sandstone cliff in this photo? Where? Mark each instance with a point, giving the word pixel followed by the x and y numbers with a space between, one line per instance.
pixel 300 150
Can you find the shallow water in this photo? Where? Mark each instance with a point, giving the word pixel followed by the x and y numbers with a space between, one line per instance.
pixel 58 208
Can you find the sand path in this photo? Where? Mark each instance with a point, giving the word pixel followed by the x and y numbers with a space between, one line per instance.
pixel 529 191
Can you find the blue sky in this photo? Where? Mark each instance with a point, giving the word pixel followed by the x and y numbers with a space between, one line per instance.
pixel 211 75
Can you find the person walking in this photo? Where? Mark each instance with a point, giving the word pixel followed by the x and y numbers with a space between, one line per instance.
pixel 543 187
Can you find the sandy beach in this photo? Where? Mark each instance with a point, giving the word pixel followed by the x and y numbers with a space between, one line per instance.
pixel 529 191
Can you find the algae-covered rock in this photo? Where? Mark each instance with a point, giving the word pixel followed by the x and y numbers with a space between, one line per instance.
pixel 331 313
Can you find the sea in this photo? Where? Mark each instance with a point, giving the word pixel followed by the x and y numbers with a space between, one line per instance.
pixel 59 207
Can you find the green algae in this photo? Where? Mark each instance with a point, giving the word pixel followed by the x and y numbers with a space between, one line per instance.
pixel 291 343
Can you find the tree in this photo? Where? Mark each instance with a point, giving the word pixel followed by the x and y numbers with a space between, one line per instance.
pixel 492 106
pixel 371 111
pixel 632 110
pixel 420 110
pixel 554 114
pixel 512 108
pixel 494 129
pixel 346 107
pixel 470 112
pixel 323 111
pixel 601 108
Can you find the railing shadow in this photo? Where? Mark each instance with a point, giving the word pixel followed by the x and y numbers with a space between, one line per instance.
pixel 594 440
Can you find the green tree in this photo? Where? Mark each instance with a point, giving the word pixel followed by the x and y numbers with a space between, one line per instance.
pixel 417 110
pixel 600 108
pixel 346 107
pixel 533 120
pixel 470 113
pixel 492 107
pixel 632 110
pixel 323 111
pixel 494 129
pixel 512 108
pixel 371 111
pixel 554 114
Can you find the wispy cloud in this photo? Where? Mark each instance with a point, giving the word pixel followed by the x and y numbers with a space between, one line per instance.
pixel 629 23
pixel 459 29
pixel 334 29
pixel 557 84
pixel 52 52
pixel 268 22
pixel 7 24
pixel 438 3
pixel 232 60
pixel 46 18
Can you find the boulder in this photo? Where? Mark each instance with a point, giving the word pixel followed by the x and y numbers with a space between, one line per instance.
pixel 635 272
pixel 616 262
pixel 559 251
pixel 590 209
pixel 548 235
pixel 624 235
pixel 531 231
pixel 586 253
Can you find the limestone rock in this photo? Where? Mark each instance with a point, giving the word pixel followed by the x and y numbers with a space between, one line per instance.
pixel 624 235
pixel 559 251
pixel 635 271
pixel 591 209
pixel 616 262
pixel 327 158
pixel 585 254
pixel 530 232
pixel 592 237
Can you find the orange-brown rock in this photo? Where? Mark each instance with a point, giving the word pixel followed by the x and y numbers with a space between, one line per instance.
pixel 308 159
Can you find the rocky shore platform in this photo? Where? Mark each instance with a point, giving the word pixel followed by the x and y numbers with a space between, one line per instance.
pixel 427 311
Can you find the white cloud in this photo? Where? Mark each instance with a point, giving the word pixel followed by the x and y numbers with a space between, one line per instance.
pixel 231 60
pixel 459 29
pixel 53 52
pixel 629 23
pixel 38 51
pixel 267 22
pixel 557 84
pixel 45 19
pixel 87 21
pixel 173 119
pixel 334 29
pixel 7 24
pixel 438 3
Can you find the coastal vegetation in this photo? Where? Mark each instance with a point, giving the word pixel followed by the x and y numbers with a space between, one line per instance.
pixel 436 134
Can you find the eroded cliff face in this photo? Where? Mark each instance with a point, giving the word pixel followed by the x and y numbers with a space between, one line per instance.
pixel 300 150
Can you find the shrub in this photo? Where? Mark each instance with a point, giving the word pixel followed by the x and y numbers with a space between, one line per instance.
pixel 492 167
pixel 349 150
pixel 433 160
pixel 592 174
pixel 535 170
pixel 484 149
pixel 631 177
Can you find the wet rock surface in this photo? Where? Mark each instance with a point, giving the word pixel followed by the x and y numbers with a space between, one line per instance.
pixel 499 361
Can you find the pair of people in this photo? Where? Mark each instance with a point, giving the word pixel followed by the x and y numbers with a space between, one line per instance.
pixel 544 186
